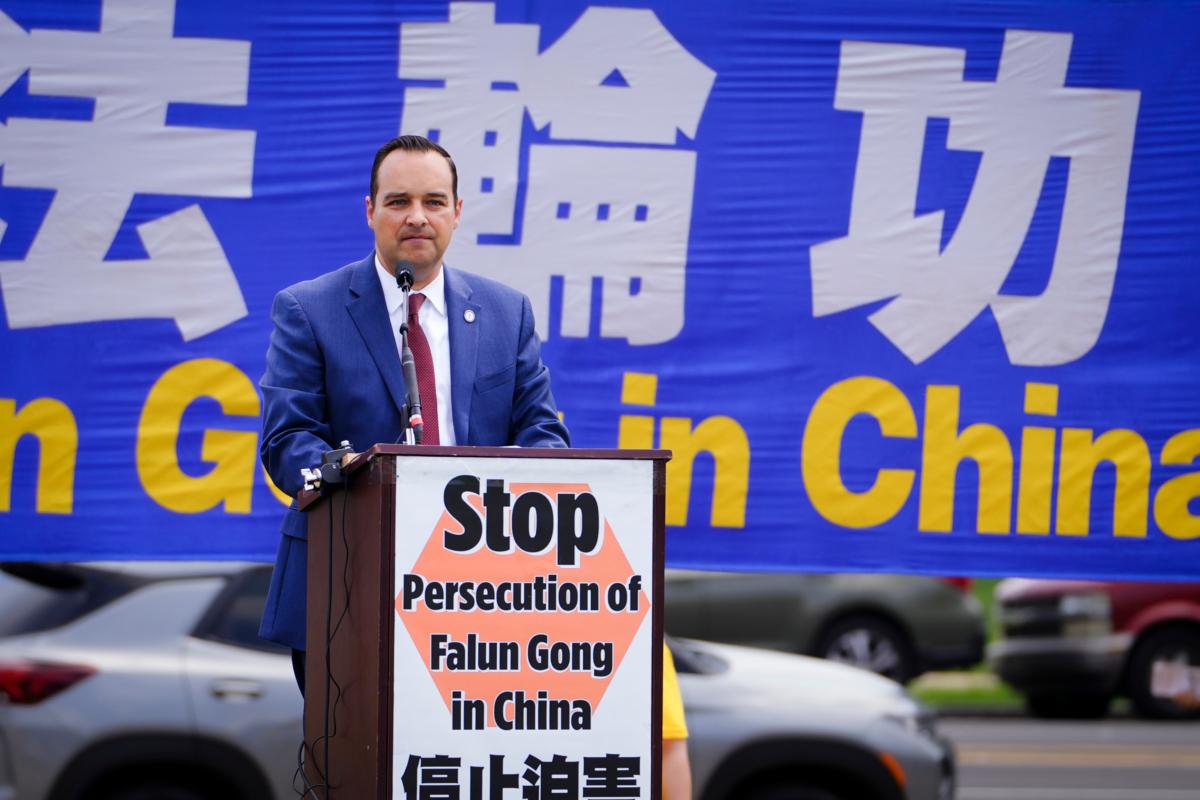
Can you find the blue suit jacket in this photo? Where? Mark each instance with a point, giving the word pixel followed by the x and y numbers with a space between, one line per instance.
pixel 333 373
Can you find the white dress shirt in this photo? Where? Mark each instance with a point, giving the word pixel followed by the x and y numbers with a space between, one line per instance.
pixel 436 327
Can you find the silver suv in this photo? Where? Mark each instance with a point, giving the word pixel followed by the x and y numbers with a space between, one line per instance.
pixel 148 682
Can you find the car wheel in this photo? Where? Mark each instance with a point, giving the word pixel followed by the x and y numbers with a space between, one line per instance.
pixel 1063 705
pixel 1180 645
pixel 158 790
pixel 789 790
pixel 871 643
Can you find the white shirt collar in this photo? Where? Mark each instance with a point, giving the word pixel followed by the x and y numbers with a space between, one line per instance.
pixel 435 291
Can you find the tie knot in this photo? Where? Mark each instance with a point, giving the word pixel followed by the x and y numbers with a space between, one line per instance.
pixel 414 304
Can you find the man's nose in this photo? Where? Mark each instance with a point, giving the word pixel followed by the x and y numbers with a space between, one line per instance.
pixel 416 216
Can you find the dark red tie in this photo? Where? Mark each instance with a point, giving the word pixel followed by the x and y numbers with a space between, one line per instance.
pixel 423 360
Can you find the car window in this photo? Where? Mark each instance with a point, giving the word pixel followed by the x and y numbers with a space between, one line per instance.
pixel 235 614
pixel 38 597
pixel 23 605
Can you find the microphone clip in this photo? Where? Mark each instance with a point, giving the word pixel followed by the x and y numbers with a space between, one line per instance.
pixel 329 472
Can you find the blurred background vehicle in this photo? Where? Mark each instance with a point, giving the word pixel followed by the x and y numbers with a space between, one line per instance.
pixel 896 625
pixel 140 681
pixel 1072 646
pixel 776 726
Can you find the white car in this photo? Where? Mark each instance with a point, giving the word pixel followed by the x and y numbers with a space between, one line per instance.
pixel 148 682
pixel 766 725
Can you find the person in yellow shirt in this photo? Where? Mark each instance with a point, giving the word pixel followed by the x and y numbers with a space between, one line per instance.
pixel 676 770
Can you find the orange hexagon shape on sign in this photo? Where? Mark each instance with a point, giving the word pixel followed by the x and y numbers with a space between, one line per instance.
pixel 606 566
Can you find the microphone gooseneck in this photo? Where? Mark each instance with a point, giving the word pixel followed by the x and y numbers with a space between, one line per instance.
pixel 413 421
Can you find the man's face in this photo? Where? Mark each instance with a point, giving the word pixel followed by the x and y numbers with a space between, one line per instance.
pixel 413 213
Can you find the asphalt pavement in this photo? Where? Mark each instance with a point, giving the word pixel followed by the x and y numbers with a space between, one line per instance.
pixel 1018 758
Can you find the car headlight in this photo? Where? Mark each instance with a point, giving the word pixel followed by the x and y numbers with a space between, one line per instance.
pixel 907 722
pixel 916 721
pixel 1086 614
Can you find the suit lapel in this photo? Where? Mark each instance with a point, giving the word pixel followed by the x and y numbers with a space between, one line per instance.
pixel 370 315
pixel 464 350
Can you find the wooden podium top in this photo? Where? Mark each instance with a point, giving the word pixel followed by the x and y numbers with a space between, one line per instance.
pixel 306 499
pixel 513 452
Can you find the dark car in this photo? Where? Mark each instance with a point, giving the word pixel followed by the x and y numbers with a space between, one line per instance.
pixel 896 625
pixel 1072 646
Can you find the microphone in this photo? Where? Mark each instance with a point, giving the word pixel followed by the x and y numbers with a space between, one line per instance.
pixel 404 275
pixel 404 281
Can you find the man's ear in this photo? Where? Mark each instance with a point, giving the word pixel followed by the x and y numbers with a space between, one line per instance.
pixel 370 213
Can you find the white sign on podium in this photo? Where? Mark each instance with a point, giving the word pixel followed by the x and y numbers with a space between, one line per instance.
pixel 522 633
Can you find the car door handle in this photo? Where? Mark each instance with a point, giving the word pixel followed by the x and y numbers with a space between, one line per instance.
pixel 236 689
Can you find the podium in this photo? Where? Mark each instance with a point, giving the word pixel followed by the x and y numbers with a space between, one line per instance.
pixel 486 623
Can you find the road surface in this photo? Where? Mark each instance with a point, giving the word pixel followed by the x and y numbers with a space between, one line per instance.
pixel 1113 759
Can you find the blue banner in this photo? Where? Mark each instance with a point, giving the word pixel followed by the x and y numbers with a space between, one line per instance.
pixel 904 286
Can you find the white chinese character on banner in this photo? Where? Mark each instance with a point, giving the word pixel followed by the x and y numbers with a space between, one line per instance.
pixel 597 206
pixel 1018 122
pixel 133 67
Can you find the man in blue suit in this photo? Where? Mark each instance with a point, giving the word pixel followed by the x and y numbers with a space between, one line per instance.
pixel 333 366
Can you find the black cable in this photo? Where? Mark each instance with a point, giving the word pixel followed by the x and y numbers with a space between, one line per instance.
pixel 309 788
pixel 345 586
pixel 328 638
pixel 325 736
pixel 331 732
pixel 337 698
pixel 331 630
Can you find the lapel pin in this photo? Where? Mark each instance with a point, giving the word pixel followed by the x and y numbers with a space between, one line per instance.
pixel 469 315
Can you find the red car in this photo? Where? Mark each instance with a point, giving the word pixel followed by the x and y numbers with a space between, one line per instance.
pixel 1072 646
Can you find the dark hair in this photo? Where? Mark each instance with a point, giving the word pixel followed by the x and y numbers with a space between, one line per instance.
pixel 412 144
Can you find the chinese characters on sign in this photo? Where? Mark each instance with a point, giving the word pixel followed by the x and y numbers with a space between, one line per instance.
pixel 1018 122
pixel 133 67
pixel 608 198
pixel 607 777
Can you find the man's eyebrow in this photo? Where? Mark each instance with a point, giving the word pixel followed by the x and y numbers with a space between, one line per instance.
pixel 394 195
